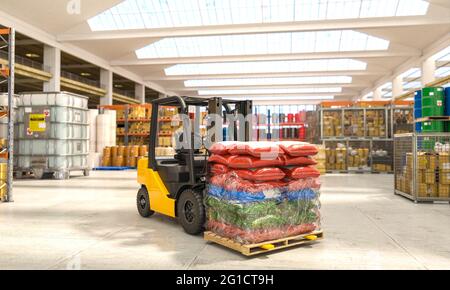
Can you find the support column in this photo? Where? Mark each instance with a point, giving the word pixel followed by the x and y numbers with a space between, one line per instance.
pixel 140 93
pixel 106 82
pixel 52 60
pixel 428 71
pixel 397 86
pixel 377 94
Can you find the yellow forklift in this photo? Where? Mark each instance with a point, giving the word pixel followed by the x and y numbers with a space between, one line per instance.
pixel 174 186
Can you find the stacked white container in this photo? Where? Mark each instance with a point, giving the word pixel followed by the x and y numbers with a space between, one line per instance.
pixel 52 134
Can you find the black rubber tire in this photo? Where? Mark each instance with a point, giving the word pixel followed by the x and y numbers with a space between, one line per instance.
pixel 191 212
pixel 143 203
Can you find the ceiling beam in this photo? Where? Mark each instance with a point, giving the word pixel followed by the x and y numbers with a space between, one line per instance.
pixel 343 94
pixel 361 23
pixel 372 72
pixel 407 52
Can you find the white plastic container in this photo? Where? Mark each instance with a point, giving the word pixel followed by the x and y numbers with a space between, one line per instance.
pixel 4 121
pixel 52 134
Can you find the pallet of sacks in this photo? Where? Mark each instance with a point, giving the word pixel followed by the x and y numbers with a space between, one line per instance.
pixel 261 192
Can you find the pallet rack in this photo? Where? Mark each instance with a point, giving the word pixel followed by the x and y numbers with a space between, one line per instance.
pixel 7 73
pixel 127 120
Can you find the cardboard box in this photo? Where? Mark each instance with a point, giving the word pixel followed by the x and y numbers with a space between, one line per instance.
pixel 430 177
pixel 444 161
pixel 427 190
pixel 444 177
pixel 444 191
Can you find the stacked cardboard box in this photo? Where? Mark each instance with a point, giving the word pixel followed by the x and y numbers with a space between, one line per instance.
pixel 354 123
pixel 444 175
pixel 321 158
pixel 336 159
pixel 332 122
pixel 358 159
pixel 376 123
pixel 427 175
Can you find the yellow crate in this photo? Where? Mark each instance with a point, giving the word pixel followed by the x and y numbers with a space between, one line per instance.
pixel 444 190
pixel 444 177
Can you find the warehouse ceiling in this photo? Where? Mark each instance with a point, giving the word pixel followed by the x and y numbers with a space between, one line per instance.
pixel 291 49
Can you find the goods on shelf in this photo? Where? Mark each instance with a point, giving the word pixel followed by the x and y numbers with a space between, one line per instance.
pixel 433 105
pixel 376 123
pixel 431 170
pixel 382 156
pixel 354 123
pixel 321 159
pixel 251 212
pixel 123 156
pixel 332 123
pixel 336 157
pixel 358 156
pixel 3 179
pixel 403 120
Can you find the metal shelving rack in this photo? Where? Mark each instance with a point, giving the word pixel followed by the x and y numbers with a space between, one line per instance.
pixel 7 40
pixel 422 174
pixel 373 141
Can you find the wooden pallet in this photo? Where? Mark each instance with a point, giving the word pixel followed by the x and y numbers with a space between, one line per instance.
pixel 266 247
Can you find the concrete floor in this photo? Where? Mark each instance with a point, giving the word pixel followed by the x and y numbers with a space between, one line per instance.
pixel 92 223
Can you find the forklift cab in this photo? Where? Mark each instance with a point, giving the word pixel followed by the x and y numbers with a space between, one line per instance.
pixel 174 185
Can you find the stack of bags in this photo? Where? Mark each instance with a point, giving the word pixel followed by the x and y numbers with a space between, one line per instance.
pixel 261 192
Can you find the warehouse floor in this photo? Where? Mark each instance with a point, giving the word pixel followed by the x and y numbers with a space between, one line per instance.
pixel 92 223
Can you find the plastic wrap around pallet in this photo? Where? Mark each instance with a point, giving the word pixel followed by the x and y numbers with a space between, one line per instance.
pixel 255 217
pixel 92 120
pixel 254 205
pixel 104 132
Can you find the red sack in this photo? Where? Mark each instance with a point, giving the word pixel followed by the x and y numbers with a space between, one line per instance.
pixel 247 162
pixel 264 150
pixel 221 148
pixel 221 159
pixel 219 169
pixel 302 173
pixel 298 149
pixel 263 174
pixel 299 161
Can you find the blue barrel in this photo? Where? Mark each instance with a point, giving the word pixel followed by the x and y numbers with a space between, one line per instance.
pixel 447 101
pixel 418 109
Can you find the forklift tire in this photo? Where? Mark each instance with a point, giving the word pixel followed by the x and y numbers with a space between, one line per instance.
pixel 143 203
pixel 191 212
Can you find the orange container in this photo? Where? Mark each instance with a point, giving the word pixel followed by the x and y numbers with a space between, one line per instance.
pixel 143 150
pixel 107 152
pixel 121 151
pixel 119 161
pixel 114 151
pixel 131 161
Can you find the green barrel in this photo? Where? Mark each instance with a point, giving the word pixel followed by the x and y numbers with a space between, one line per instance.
pixel 433 102
pixel 433 126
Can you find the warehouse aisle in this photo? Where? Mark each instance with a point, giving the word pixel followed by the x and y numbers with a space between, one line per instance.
pixel 92 223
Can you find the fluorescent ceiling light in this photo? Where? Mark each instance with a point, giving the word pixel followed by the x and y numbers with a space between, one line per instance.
pixel 141 14
pixel 269 91
pixel 268 81
pixel 443 55
pixel 412 73
pixel 282 98
pixel 266 67
pixel 442 72
pixel 263 44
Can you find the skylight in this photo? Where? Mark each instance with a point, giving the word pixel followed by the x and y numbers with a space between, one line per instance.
pixel 141 14
pixel 268 81
pixel 263 44
pixel 266 67
pixel 269 91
